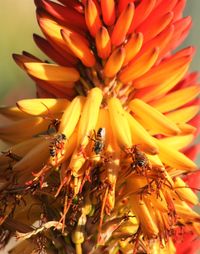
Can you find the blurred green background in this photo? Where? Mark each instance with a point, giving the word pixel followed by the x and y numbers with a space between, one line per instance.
pixel 18 23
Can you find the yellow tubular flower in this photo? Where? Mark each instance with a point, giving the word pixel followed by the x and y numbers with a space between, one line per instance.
pixel 33 159
pixel 102 154
pixel 46 71
pixel 12 112
pixel 14 132
pixel 71 116
pixel 141 136
pixel 119 123
pixel 89 115
pixel 42 106
pixel 153 118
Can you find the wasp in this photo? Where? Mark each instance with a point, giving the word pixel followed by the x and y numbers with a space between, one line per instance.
pixel 139 159
pixel 57 144
pixel 99 140
pixel 140 163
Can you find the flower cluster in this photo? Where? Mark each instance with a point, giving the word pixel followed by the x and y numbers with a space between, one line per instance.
pixel 101 155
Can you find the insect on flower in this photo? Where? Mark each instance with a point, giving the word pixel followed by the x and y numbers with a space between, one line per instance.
pixel 99 140
pixel 57 145
pixel 140 159
pixel 140 162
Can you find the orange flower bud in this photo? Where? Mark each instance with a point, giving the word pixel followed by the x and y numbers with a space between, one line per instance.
pixel 103 43
pixel 78 46
pixel 138 67
pixel 92 17
pixel 114 63
pixel 108 11
pixel 122 25
pixel 133 46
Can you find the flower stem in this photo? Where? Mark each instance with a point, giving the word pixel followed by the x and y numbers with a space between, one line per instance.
pixel 78 248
